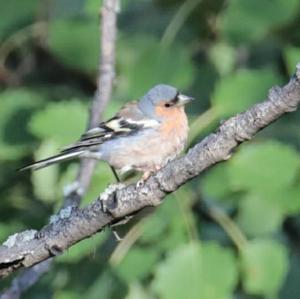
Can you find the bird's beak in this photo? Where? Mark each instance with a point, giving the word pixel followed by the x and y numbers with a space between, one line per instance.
pixel 183 99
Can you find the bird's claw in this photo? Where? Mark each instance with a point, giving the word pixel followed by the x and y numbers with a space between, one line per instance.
pixel 140 183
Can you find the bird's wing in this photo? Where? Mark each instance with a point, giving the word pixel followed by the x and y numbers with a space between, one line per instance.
pixel 129 120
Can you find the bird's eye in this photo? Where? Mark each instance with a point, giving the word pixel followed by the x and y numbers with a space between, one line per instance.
pixel 167 105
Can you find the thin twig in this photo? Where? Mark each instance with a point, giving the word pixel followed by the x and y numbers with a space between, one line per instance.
pixel 73 225
pixel 17 39
pixel 25 280
pixel 123 247
pixel 229 226
pixel 178 20
pixel 184 204
pixel 108 29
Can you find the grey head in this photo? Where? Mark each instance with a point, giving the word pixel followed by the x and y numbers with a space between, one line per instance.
pixel 161 95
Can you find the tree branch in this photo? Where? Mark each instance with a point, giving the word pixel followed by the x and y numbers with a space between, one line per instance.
pixel 72 225
pixel 25 280
pixel 108 29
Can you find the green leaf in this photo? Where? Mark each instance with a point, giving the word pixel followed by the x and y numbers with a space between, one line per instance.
pixel 66 295
pixel 16 108
pixel 136 291
pixel 102 177
pixel 222 56
pixel 143 53
pixel 63 9
pixel 165 228
pixel 215 183
pixel 219 271
pixel 75 43
pixel 181 268
pixel 264 168
pixel 92 7
pixel 252 216
pixel 10 228
pixel 68 175
pixel 247 21
pixel 62 122
pixel 137 264
pixel 264 267
pixel 10 16
pixel 289 200
pixel 45 181
pixel 154 228
pixel 292 58
pixel 82 249
pixel 209 271
pixel 107 285
pixel 237 92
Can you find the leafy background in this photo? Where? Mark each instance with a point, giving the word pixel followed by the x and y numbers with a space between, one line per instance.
pixel 234 232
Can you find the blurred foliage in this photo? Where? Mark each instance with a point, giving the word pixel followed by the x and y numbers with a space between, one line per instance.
pixel 233 232
pixel 69 39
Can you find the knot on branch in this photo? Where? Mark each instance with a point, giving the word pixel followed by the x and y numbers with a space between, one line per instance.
pixel 119 200
pixel 109 201
pixel 54 249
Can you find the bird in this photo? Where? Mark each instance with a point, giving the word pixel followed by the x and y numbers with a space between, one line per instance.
pixel 143 136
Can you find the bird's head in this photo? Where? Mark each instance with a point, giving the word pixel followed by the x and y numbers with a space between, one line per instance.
pixel 162 98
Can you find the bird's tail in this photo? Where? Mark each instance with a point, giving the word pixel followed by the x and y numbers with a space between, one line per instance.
pixel 52 160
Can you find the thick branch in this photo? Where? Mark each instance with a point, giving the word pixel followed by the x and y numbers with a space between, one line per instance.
pixel 72 225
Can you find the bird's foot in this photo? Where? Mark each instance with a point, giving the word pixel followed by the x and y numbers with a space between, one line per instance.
pixel 140 183
pixel 107 193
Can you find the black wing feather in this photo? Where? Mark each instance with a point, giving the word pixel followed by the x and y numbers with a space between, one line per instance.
pixel 105 132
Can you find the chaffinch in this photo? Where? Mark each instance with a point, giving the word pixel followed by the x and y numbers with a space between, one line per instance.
pixel 142 136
